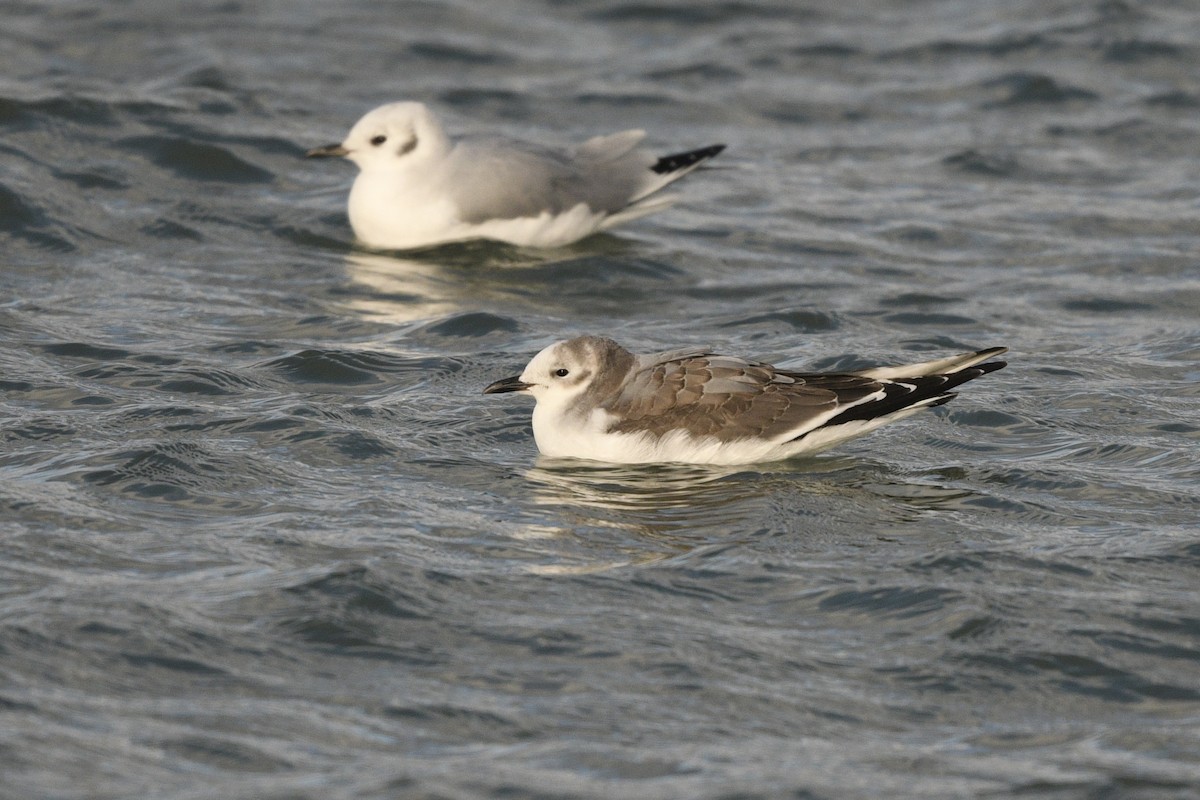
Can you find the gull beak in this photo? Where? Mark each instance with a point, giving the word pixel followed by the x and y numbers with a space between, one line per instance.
pixel 327 151
pixel 513 384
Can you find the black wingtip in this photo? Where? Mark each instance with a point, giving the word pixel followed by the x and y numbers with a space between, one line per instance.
pixel 932 390
pixel 678 161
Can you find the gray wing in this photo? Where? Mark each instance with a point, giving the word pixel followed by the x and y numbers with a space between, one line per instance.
pixel 731 399
pixel 491 178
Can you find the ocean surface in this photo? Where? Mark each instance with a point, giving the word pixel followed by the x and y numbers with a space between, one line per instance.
pixel 263 537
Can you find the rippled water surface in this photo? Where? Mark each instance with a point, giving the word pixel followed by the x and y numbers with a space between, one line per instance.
pixel 263 537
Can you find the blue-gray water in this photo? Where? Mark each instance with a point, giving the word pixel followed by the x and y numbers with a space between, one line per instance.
pixel 263 537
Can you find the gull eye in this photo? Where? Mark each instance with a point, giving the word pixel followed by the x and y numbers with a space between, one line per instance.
pixel 561 372
pixel 378 140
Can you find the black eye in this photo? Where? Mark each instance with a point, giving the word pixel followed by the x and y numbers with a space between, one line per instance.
pixel 561 372
pixel 378 140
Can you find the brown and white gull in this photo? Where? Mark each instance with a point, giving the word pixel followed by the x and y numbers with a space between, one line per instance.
pixel 596 400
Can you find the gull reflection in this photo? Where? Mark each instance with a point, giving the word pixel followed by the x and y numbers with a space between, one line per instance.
pixel 626 487
pixel 600 516
pixel 604 516
pixel 592 517
pixel 572 517
pixel 399 290
pixel 668 491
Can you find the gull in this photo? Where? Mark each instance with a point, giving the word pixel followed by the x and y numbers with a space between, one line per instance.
pixel 596 400
pixel 418 187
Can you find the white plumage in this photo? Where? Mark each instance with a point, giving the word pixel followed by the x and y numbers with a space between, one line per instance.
pixel 418 187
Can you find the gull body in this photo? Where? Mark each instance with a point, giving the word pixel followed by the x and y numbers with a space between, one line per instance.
pixel 417 187
pixel 596 400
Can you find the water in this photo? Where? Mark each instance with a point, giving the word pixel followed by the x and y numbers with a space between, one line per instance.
pixel 263 537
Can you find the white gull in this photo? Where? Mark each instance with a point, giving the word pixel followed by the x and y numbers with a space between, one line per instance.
pixel 417 187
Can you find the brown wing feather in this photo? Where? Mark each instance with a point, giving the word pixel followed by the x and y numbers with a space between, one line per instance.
pixel 728 398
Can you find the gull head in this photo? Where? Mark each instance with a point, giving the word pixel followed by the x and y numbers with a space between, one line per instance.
pixel 393 135
pixel 566 371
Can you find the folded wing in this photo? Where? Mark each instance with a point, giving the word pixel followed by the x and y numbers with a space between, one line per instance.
pixel 730 399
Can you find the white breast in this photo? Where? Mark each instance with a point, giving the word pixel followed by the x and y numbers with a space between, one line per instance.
pixel 392 210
